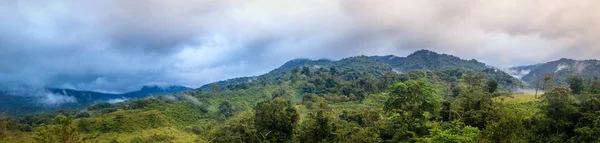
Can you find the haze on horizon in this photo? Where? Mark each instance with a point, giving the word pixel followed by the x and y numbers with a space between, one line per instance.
pixel 118 46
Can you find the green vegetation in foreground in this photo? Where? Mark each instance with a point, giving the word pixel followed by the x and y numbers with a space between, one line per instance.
pixel 333 104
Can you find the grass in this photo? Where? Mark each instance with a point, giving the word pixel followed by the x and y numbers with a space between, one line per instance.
pixel 517 98
pixel 524 105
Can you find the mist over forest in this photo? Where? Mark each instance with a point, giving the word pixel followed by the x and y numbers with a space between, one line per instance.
pixel 306 71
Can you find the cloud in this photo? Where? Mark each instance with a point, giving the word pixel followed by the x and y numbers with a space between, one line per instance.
pixel 51 99
pixel 39 97
pixel 117 100
pixel 117 46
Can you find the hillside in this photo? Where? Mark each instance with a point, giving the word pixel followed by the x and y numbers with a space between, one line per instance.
pixel 426 60
pixel 561 69
pixel 375 66
pixel 31 101
pixel 356 99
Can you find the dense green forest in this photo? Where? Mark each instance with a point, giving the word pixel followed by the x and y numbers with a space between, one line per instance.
pixel 358 99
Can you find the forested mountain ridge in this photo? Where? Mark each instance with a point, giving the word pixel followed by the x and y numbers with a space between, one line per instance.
pixel 430 61
pixel 560 69
pixel 421 60
pixel 30 101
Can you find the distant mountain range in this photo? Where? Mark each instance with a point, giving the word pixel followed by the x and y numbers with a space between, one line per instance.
pixel 561 69
pixel 36 100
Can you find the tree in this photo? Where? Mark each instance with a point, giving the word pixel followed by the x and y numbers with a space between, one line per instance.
pixel 4 122
pixel 560 114
pixel 225 110
pixel 576 84
pixel 492 86
pixel 594 88
pixel 411 104
pixel 319 128
pixel 43 134
pixel 306 71
pixel 276 119
pixel 455 133
pixel 85 125
pixel 368 84
pixel 63 131
pixel 387 79
pixel 506 126
pixel 413 98
pixel 474 104
pixel 215 87
pixel 333 71
pixel 588 126
pixel 548 84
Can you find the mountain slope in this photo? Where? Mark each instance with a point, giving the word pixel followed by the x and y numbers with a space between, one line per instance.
pixel 426 60
pixel 561 69
pixel 521 71
pixel 30 101
pixel 364 66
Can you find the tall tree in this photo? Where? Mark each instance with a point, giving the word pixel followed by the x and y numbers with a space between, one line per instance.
pixel 594 88
pixel 548 82
pixel 276 119
pixel 411 104
pixel 474 104
pixel 225 110
pixel 319 127
pixel 576 84
pixel 306 71
pixel 492 86
pixel 63 131
pixel 560 111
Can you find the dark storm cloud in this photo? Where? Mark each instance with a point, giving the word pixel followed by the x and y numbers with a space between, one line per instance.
pixel 119 45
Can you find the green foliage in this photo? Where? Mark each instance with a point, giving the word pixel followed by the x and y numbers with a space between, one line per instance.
pixel 453 133
pixel 492 86
pixel 226 110
pixel 4 122
pixel 276 119
pixel 62 132
pixel 576 84
pixel 413 99
pixel 474 104
pixel 318 128
pixel 594 87
pixel 239 128
pixel 411 103
pixel 560 110
pixel 506 126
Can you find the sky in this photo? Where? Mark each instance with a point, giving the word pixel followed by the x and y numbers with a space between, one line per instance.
pixel 119 45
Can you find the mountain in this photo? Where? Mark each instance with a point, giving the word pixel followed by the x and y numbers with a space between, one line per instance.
pixel 561 69
pixel 39 100
pixel 426 60
pixel 363 66
pixel 154 90
pixel 521 71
